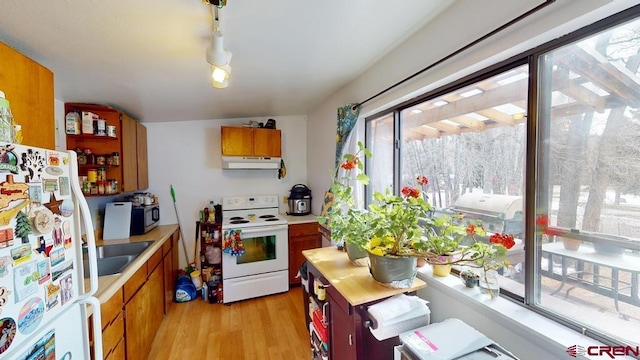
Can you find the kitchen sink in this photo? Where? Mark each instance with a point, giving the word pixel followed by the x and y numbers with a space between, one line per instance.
pixel 134 248
pixel 113 259
pixel 110 265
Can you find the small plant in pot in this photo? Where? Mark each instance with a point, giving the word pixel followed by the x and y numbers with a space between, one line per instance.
pixel 469 278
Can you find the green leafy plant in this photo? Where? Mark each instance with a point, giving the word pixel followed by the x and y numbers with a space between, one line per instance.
pixel 346 221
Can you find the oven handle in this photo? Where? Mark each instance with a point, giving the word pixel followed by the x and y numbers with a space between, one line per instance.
pixel 262 229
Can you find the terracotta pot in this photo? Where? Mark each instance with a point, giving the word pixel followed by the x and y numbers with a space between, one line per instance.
pixel 571 244
pixel 421 262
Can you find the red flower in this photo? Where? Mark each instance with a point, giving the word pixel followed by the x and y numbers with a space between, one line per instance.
pixel 422 180
pixel 409 191
pixel 542 221
pixel 505 240
pixel 471 229
pixel 350 164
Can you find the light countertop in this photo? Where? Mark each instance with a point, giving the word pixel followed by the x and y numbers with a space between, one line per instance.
pixel 301 219
pixel 354 283
pixel 108 285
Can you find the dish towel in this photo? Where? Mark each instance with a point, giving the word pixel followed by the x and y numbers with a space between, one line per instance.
pixel 232 243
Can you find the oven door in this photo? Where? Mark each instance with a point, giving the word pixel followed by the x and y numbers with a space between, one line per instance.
pixel 266 250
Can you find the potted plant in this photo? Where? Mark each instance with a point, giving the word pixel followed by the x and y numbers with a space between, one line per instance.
pixel 469 278
pixel 348 223
pixel 490 257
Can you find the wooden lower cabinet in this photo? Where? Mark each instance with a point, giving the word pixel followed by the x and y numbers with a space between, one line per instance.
pixel 118 353
pixel 143 315
pixel 131 317
pixel 301 237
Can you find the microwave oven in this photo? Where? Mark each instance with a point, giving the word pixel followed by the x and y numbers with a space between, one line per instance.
pixel 144 218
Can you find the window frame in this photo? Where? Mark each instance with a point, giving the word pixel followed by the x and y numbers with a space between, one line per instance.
pixel 532 198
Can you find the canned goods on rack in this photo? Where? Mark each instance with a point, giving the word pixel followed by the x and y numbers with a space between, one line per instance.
pixel 92 175
pixel 102 174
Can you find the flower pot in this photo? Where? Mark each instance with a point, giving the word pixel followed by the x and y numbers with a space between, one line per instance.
pixel 393 271
pixel 421 262
pixel 441 269
pixel 489 285
pixel 470 280
pixel 571 244
pixel 356 255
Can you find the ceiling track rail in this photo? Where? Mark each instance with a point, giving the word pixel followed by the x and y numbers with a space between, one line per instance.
pixel 462 49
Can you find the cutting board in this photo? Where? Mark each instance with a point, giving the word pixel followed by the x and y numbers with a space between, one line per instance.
pixel 117 221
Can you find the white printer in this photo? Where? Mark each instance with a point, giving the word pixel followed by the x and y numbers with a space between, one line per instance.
pixel 451 339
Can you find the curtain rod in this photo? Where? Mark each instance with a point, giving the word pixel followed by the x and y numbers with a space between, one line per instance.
pixel 473 43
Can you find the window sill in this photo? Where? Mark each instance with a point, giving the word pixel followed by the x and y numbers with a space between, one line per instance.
pixel 513 318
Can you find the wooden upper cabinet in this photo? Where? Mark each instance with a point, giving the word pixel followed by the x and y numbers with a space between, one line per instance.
pixel 129 151
pixel 29 88
pixel 267 142
pixel 143 169
pixel 130 143
pixel 245 141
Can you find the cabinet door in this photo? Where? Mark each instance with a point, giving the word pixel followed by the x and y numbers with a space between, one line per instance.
pixel 143 315
pixel 29 88
pixel 141 147
pixel 168 283
pixel 267 143
pixel 301 237
pixel 129 155
pixel 236 141
pixel 343 335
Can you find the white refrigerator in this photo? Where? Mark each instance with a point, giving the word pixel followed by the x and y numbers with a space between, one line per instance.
pixel 43 303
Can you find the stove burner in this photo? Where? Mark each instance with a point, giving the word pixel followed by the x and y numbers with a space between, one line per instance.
pixel 236 218
pixel 272 219
pixel 238 221
pixel 267 216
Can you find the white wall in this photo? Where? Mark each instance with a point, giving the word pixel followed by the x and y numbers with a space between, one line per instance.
pixel 186 154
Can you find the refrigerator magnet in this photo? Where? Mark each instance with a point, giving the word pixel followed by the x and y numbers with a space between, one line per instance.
pixel 4 296
pixel 66 289
pixel 52 295
pixel 33 162
pixel 25 281
pixel 4 265
pixel 8 159
pixel 7 333
pixel 53 158
pixel 30 315
pixel 12 191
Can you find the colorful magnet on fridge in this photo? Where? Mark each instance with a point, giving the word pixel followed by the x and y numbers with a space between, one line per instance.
pixel 52 295
pixel 8 159
pixel 4 296
pixel 12 191
pixel 7 333
pixel 33 162
pixel 54 170
pixel 66 208
pixel 30 315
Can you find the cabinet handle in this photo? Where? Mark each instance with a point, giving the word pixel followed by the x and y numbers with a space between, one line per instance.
pixel 350 340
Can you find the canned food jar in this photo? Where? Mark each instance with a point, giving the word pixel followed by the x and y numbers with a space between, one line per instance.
pixel 101 160
pixel 116 159
pixel 102 174
pixel 111 130
pixel 92 175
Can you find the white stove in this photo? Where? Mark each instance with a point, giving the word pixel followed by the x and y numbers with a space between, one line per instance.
pixel 263 268
pixel 241 212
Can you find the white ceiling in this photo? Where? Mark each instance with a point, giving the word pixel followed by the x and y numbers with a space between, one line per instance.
pixel 148 57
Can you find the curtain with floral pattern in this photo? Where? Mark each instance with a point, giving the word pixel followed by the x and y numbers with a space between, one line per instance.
pixel 347 119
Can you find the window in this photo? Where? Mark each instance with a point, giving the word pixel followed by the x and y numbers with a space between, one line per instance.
pixel 580 138
pixel 588 193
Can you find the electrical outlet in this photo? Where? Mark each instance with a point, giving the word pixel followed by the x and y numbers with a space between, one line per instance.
pixel 285 199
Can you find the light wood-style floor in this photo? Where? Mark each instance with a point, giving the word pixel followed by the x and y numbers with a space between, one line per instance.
pixel 270 327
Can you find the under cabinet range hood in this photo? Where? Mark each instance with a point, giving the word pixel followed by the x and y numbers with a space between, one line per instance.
pixel 250 163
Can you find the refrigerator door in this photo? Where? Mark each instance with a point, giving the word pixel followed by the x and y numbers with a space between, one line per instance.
pixel 41 280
